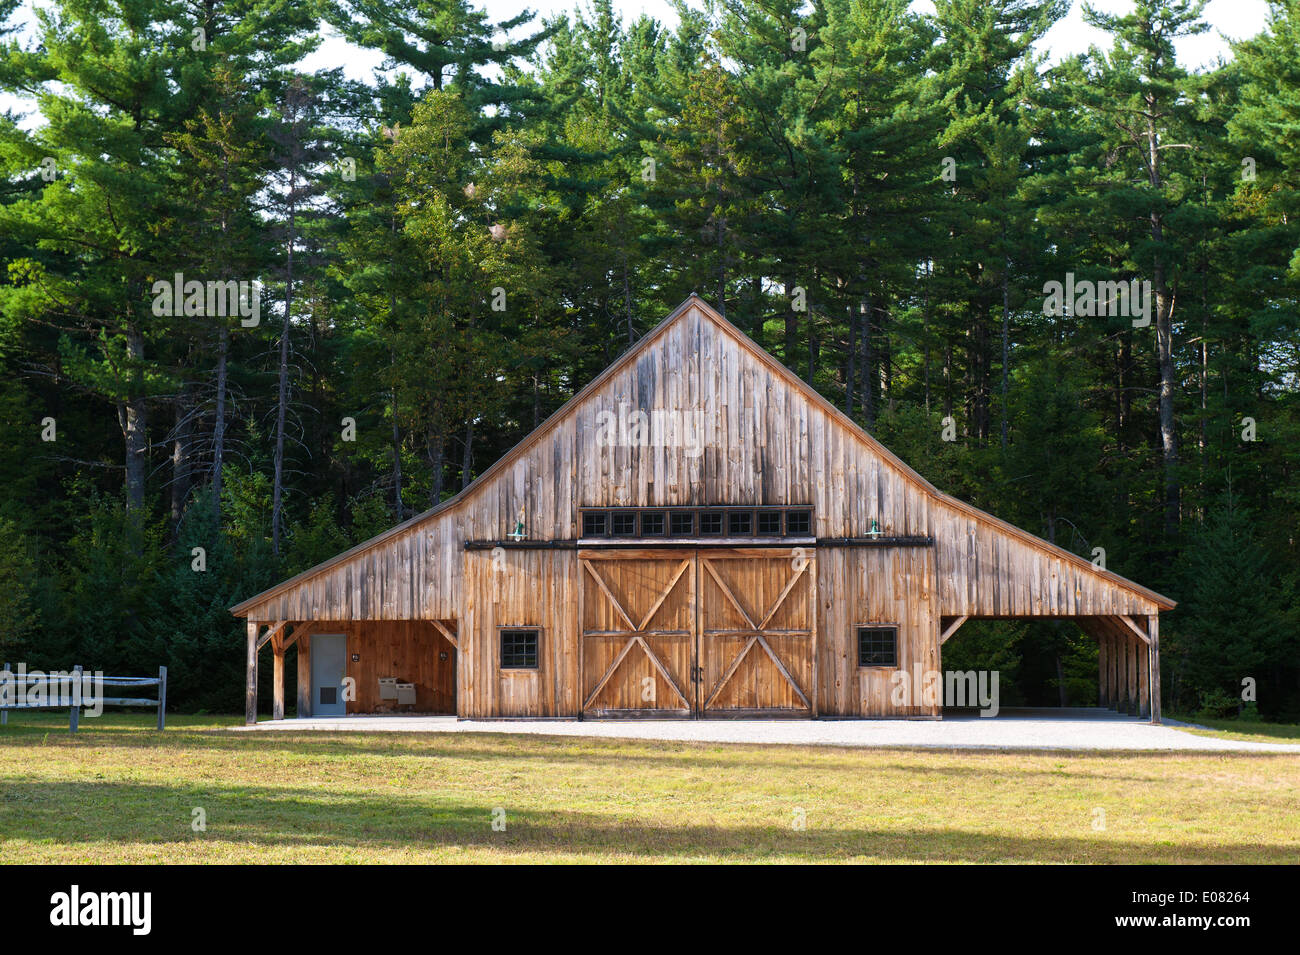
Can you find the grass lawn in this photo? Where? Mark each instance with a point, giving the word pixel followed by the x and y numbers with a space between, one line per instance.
pixel 120 792
pixel 1237 729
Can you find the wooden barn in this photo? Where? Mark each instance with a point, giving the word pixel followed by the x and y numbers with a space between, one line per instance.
pixel 698 533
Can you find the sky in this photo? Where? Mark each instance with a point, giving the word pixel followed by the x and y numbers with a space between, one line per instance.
pixel 1228 19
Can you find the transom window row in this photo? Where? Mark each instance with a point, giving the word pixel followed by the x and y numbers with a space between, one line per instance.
pixel 697 522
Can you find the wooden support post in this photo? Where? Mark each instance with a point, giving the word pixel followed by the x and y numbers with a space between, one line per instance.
pixel 4 714
pixel 1121 675
pixel 304 676
pixel 1103 691
pixel 1130 677
pixel 1117 657
pixel 1144 685
pixel 277 680
pixel 1117 663
pixel 1109 643
pixel 162 698
pixel 1153 649
pixel 1117 678
pixel 1131 647
pixel 1121 682
pixel 1106 667
pixel 250 688
pixel 74 714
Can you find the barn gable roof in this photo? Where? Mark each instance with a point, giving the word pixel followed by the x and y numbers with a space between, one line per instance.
pixel 694 302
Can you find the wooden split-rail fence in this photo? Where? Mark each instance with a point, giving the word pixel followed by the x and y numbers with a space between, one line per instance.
pixel 58 689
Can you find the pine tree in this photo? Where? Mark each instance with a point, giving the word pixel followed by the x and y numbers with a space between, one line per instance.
pixel 881 126
pixel 449 45
pixel 980 72
pixel 1147 103
pixel 1229 627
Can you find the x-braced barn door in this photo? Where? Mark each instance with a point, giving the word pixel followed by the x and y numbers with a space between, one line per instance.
pixel 718 632
pixel 638 633
pixel 757 620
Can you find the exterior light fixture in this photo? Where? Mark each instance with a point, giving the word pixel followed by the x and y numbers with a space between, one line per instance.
pixel 518 533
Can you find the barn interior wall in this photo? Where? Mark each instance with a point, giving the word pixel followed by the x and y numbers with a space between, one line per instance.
pixel 411 650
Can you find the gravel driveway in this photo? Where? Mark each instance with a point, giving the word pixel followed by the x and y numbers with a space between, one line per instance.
pixel 1073 729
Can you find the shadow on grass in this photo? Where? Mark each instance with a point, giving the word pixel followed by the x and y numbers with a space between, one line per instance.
pixel 542 752
pixel 285 819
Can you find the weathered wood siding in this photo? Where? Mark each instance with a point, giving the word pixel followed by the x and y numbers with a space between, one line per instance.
pixel 532 588
pixel 857 586
pixel 986 571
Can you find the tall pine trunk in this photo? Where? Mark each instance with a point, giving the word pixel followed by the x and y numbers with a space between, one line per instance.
pixel 282 403
pixel 467 462
pixel 219 425
pixel 437 454
pixel 134 416
pixel 627 305
pixel 869 377
pixel 850 370
pixel 1164 343
pixel 791 324
pixel 182 437
pixel 1006 343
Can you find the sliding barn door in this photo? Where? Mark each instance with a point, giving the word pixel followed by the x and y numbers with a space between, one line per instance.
pixel 757 612
pixel 638 633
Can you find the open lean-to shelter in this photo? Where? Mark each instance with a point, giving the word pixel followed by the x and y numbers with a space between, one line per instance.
pixel 697 533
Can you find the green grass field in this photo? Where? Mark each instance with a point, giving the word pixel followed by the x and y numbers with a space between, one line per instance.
pixel 120 792
pixel 1240 729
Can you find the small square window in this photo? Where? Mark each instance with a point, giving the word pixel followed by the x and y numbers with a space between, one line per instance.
pixel 681 523
pixel 769 523
pixel 740 523
pixel 593 524
pixel 877 646
pixel 798 523
pixel 710 523
pixel 623 523
pixel 652 524
pixel 519 649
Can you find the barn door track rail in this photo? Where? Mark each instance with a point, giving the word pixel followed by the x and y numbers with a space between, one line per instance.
pixel 679 543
